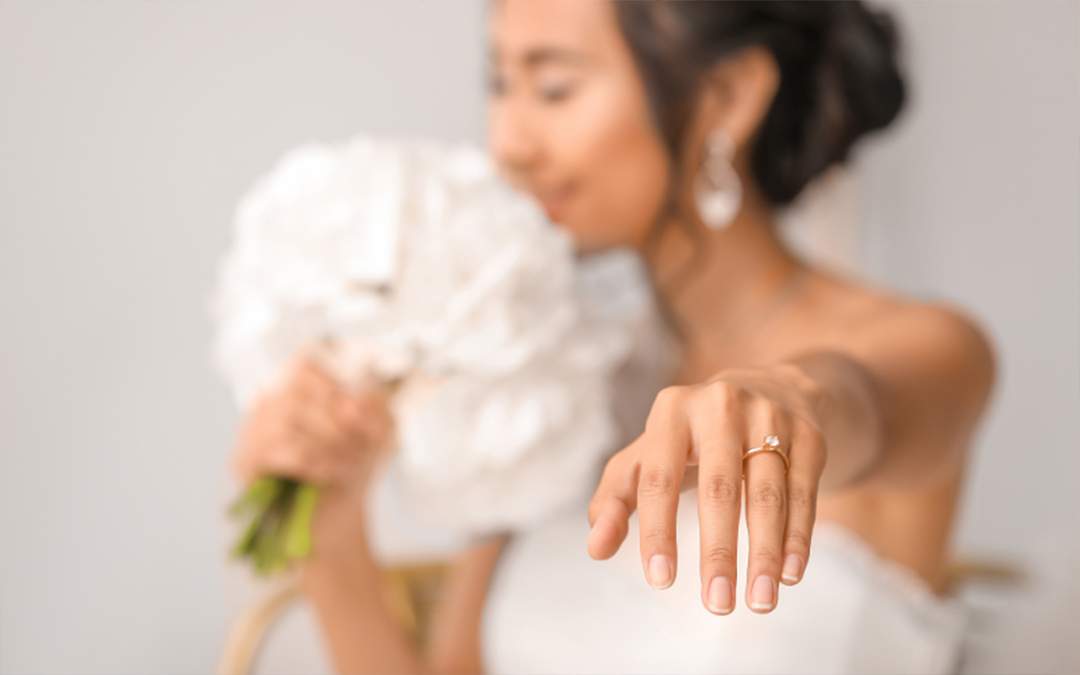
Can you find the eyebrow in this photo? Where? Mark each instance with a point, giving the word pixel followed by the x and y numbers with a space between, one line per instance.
pixel 536 56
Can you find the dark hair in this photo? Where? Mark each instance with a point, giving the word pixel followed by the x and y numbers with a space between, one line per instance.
pixel 839 76
pixel 839 80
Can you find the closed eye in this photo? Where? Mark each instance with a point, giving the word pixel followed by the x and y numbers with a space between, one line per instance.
pixel 556 92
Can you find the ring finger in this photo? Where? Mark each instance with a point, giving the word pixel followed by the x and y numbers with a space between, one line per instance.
pixel 766 508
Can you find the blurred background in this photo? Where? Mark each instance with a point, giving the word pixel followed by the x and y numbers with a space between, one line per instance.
pixel 128 129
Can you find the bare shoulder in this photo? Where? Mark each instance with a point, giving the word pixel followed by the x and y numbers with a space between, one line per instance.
pixel 933 361
pixel 936 339
pixel 932 364
pixel 883 324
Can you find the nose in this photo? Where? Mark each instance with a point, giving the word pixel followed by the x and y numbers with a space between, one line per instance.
pixel 511 140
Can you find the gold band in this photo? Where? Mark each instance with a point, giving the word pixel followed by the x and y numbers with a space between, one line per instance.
pixel 769 444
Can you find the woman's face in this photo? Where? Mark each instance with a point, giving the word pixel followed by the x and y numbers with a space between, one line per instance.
pixel 569 119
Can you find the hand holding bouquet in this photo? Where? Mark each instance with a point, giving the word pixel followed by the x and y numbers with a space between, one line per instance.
pixel 308 432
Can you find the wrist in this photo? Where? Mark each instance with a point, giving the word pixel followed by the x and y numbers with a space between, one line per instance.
pixel 340 551
pixel 322 573
pixel 804 375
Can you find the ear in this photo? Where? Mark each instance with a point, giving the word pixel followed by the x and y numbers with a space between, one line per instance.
pixel 738 92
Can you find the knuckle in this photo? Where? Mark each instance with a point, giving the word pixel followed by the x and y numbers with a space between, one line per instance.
pixel 671 392
pixel 657 481
pixel 765 555
pixel 723 394
pixel 669 397
pixel 721 489
pixel 764 407
pixel 807 431
pixel 797 540
pixel 656 536
pixel 616 467
pixel 611 467
pixel 718 554
pixel 716 398
pixel 767 495
pixel 801 497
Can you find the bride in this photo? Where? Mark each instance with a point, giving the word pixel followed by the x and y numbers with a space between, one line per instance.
pixel 810 444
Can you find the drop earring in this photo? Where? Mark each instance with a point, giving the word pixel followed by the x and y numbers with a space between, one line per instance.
pixel 717 190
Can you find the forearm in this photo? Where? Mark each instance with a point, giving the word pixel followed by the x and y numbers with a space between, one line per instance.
pixel 361 633
pixel 847 408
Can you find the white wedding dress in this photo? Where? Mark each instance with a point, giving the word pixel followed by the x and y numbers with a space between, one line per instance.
pixel 553 609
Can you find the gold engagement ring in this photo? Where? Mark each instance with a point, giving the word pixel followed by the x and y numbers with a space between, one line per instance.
pixel 771 443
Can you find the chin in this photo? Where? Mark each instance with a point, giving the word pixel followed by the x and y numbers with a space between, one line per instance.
pixel 594 241
pixel 584 241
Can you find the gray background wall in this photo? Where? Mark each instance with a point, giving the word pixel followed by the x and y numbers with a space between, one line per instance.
pixel 128 129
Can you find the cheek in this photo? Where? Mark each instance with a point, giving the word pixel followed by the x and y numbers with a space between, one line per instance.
pixel 622 175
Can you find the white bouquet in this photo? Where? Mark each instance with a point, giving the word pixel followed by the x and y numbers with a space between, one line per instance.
pixel 412 262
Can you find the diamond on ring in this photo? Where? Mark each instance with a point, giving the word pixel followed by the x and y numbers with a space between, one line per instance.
pixel 771 443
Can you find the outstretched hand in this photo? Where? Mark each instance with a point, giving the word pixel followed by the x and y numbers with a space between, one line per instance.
pixel 709 426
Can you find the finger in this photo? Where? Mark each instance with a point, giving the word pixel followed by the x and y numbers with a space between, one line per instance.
pixel 262 424
pixel 310 380
pixel 613 501
pixel 663 461
pixel 330 413
pixel 307 364
pixel 319 386
pixel 364 412
pixel 332 446
pixel 291 442
pixel 354 416
pixel 290 437
pixel 806 453
pixel 766 508
pixel 287 459
pixel 716 432
pixel 372 415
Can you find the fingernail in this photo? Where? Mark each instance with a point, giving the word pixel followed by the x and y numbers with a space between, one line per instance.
pixel 762 594
pixel 792 565
pixel 595 532
pixel 719 596
pixel 659 571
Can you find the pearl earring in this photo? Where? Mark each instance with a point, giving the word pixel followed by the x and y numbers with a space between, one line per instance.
pixel 717 190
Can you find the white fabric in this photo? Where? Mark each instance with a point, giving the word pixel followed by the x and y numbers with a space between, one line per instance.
pixel 553 609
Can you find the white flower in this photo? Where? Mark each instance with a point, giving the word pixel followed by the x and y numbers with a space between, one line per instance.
pixel 413 260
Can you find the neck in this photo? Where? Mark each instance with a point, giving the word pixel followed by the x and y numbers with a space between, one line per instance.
pixel 713 281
